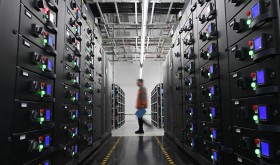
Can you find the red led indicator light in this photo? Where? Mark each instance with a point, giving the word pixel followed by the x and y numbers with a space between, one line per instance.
pixel 250 43
pixel 248 13
pixel 253 75
pixel 254 107
pixel 257 141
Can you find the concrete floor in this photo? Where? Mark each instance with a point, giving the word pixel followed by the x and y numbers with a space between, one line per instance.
pixel 131 125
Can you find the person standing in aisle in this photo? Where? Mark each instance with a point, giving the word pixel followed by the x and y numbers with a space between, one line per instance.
pixel 141 106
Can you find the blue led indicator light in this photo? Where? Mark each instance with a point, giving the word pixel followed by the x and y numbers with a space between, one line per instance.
pixel 265 149
pixel 76 131
pixel 211 69
pixel 209 29
pixel 77 95
pixel 263 112
pixel 258 43
pixel 50 40
pixel 49 89
pixel 255 11
pixel 214 132
pixel 50 66
pixel 215 156
pixel 77 113
pixel 213 110
pixel 46 163
pixel 48 114
pixel 47 141
pixel 210 49
pixel 260 77
pixel 76 148
pixel 213 90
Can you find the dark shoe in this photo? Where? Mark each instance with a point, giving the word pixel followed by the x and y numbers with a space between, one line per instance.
pixel 139 132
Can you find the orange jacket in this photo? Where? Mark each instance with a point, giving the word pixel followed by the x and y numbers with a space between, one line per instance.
pixel 142 98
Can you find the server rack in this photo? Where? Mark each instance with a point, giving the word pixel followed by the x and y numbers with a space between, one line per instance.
pixel 54 66
pixel 118 106
pixel 157 109
pixel 225 57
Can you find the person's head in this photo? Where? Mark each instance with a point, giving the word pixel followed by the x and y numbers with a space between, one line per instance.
pixel 140 82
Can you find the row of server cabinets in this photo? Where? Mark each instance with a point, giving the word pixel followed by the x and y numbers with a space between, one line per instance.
pixel 221 82
pixel 118 107
pixel 157 109
pixel 55 102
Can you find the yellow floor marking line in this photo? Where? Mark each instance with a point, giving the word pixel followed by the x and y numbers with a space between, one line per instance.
pixel 165 152
pixel 110 152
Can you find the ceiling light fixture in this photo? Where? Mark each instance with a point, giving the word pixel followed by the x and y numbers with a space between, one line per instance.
pixel 145 4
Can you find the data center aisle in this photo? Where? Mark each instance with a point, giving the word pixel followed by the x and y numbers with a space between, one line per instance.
pixel 141 150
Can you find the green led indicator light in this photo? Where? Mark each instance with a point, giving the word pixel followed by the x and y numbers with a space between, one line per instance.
pixel 73 153
pixel 251 52
pixel 73 98
pixel 253 85
pixel 44 67
pixel 249 21
pixel 208 54
pixel 45 41
pixel 42 93
pixel 257 151
pixel 207 35
pixel 212 157
pixel 209 74
pixel 73 117
pixel 191 129
pixel 190 114
pixel 210 115
pixel 210 95
pixel 75 29
pixel 41 120
pixel 75 63
pixel 40 147
pixel 73 135
pixel 255 118
pixel 211 136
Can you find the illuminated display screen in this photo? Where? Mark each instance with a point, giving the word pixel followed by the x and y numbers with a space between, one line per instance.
pixel 77 95
pixel 50 40
pixel 90 126
pixel 49 89
pixel 78 14
pixel 76 131
pixel 50 66
pixel 90 139
pixel 265 149
pixel 260 77
pixel 211 69
pixel 46 163
pixel 215 154
pixel 212 90
pixel 209 29
pixel 48 114
pixel 192 127
pixel 210 49
pixel 192 142
pixel 77 113
pixel 190 80
pixel 213 110
pixel 190 96
pixel 258 43
pixel 191 109
pixel 79 29
pixel 76 148
pixel 255 10
pixel 77 79
pixel 263 112
pixel 214 132
pixel 47 141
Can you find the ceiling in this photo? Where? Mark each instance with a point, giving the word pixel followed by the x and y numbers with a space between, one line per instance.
pixel 120 25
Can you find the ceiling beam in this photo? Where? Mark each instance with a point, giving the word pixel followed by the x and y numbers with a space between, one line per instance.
pixel 117 11
pixel 152 14
pixel 102 16
pixel 134 1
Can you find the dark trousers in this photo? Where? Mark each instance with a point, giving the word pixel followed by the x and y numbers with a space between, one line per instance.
pixel 141 122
